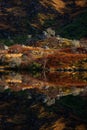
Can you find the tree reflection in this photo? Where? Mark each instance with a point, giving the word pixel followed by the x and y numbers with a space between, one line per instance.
pixel 19 111
pixel 31 101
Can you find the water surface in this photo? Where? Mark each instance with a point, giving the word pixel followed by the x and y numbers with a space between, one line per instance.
pixel 43 100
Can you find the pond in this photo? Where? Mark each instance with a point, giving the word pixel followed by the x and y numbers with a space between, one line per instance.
pixel 43 100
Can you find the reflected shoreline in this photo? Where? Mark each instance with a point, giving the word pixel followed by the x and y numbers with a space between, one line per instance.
pixel 68 82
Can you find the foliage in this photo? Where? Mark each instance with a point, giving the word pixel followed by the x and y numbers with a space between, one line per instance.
pixel 14 40
pixel 52 59
pixel 35 16
pixel 76 29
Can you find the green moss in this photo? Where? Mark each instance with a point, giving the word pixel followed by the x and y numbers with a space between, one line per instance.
pixel 20 39
pixel 76 29
pixel 14 40
pixel 35 66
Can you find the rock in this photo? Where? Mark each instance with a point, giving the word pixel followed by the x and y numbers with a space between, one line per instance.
pixel 29 97
pixel 76 43
pixel 6 47
pixel 51 102
pixel 49 33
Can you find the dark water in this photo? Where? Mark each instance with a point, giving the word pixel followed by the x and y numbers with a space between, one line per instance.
pixel 43 100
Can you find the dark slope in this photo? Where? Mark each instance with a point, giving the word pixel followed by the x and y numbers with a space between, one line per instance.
pixel 19 17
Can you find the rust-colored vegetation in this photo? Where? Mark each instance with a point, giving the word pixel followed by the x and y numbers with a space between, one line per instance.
pixel 45 80
pixel 53 59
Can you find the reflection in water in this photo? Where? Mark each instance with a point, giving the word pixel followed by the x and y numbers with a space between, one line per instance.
pixel 43 101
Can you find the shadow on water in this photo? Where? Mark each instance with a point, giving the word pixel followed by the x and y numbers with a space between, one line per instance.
pixel 43 101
